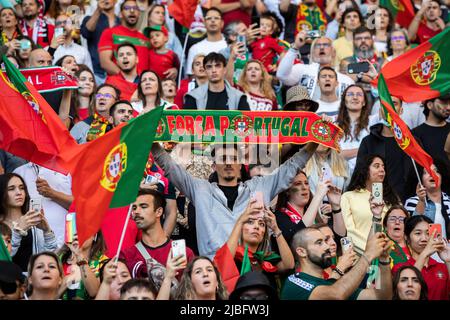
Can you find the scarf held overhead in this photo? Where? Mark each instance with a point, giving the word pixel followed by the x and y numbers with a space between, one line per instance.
pixel 271 127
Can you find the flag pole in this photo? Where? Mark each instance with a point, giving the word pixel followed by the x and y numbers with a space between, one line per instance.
pixel 418 178
pixel 123 234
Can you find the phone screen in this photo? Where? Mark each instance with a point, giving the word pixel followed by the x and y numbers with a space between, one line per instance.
pixel 178 248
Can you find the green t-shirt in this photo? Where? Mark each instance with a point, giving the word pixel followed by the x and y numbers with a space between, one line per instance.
pixel 299 286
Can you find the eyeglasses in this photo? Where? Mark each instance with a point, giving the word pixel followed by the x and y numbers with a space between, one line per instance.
pixel 261 296
pixel 129 8
pixel 323 45
pixel 363 38
pixel 355 94
pixel 104 95
pixel 63 23
pixel 8 288
pixel 394 38
pixel 395 219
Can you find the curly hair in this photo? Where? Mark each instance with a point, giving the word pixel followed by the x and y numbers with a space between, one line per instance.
pixel 186 290
pixel 265 84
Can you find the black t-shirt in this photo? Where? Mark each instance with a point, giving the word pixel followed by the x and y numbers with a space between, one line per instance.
pixel 215 101
pixel 231 194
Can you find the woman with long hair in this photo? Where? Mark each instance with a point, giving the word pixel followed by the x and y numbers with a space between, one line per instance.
pixel 83 100
pixel 422 246
pixel 384 23
pixel 408 284
pixel 256 83
pixel 149 93
pixel 9 29
pixel 357 209
pixel 82 265
pixel 15 212
pixel 201 280
pixel 354 119
pixel 45 277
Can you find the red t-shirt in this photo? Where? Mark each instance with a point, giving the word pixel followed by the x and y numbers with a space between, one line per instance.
pixel 265 50
pixel 112 227
pixel 436 277
pixel 136 262
pixel 161 62
pixel 259 103
pixel 112 37
pixel 424 33
pixel 182 90
pixel 126 88
pixel 236 15
pixel 83 113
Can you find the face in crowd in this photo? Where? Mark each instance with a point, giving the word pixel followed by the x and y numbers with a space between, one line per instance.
pixel 226 163
pixel 299 193
pixel 104 99
pixel 127 59
pixel 204 279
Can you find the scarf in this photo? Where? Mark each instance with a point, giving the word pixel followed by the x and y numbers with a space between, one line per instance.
pixel 98 127
pixel 309 20
pixel 293 214
pixel 265 260
pixel 5 39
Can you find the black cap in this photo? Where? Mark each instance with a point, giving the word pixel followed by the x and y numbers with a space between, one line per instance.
pixel 253 280
pixel 10 272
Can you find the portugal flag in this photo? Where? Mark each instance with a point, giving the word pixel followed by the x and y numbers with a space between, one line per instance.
pixel 29 128
pixel 421 73
pixel 401 10
pixel 402 135
pixel 183 11
pixel 108 171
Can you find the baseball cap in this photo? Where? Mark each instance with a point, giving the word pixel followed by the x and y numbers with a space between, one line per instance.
pixel 148 30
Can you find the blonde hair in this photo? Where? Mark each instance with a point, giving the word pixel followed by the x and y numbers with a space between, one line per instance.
pixel 335 160
pixel 265 84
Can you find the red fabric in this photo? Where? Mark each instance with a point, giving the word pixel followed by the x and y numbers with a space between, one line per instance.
pixel 136 262
pixel 126 88
pixel 424 33
pixel 224 262
pixel 83 113
pixel 160 63
pixel 405 17
pixel 41 39
pixel 436 277
pixel 112 227
pixel 290 211
pixel 265 265
pixel 236 15
pixel 182 90
pixel 265 50
pixel 183 11
pixel 106 43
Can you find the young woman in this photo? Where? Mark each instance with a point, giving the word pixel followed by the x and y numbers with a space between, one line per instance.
pixel 83 99
pixel 14 211
pixel 23 53
pixel 408 284
pixel 394 226
pixel 68 63
pixel 354 119
pixel 149 93
pixel 201 281
pixel 384 23
pixel 82 266
pixel 45 277
pixel 423 245
pixel 355 203
pixel 112 277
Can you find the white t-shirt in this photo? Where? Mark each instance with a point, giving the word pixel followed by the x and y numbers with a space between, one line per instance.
pixel 439 219
pixel 203 47
pixel 55 214
pixel 329 108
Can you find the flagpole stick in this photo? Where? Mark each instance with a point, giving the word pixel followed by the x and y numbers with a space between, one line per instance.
pixel 182 59
pixel 123 234
pixel 418 178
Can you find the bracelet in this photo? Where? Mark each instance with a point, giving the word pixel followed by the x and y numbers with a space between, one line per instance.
pixel 375 219
pixel 385 263
pixel 336 211
pixel 339 271
pixel 276 235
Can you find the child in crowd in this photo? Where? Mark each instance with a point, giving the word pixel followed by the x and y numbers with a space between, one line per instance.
pixel 162 60
pixel 6 233
pixel 169 88
pixel 267 48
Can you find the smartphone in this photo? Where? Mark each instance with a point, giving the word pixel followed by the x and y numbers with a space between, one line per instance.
pixel 377 227
pixel 59 32
pixel 178 248
pixel 71 227
pixel 313 34
pixel 358 67
pixel 437 227
pixel 346 244
pixel 258 196
pixel 149 179
pixel 36 204
pixel 377 192
pixel 25 44
pixel 326 174
pixel 241 39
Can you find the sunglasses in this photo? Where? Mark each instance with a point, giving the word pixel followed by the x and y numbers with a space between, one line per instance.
pixel 105 95
pixel 8 288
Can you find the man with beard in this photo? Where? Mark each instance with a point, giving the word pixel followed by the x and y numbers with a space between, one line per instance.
pixel 322 55
pixel 314 256
pixel 34 27
pixel 125 33
pixel 433 133
pixel 120 112
pixel 92 28
pixel 127 79
pixel 430 11
pixel 217 94
pixel 363 51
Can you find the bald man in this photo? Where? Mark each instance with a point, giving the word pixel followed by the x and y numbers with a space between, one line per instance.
pixel 40 58
pixel 313 253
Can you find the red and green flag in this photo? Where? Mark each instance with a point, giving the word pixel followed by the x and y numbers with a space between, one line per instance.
pixel 108 171
pixel 29 127
pixel 421 73
pixel 183 11
pixel 402 134
pixel 401 10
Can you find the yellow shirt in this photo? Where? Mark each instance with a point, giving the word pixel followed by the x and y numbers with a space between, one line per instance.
pixel 344 49
pixel 358 217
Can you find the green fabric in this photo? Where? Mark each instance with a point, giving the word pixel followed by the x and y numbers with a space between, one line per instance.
pixel 299 286
pixel 261 256
pixel 441 45
pixel 138 143
pixel 15 76
pixel 246 264
pixel 119 39
pixel 239 65
pixel 4 253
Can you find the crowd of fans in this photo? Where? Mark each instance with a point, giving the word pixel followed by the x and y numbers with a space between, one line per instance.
pixel 313 228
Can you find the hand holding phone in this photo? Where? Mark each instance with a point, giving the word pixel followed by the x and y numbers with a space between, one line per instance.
pixel 326 174
pixel 59 32
pixel 178 248
pixel 36 204
pixel 377 192
pixel 346 244
pixel 358 67
pixel 435 227
pixel 258 196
